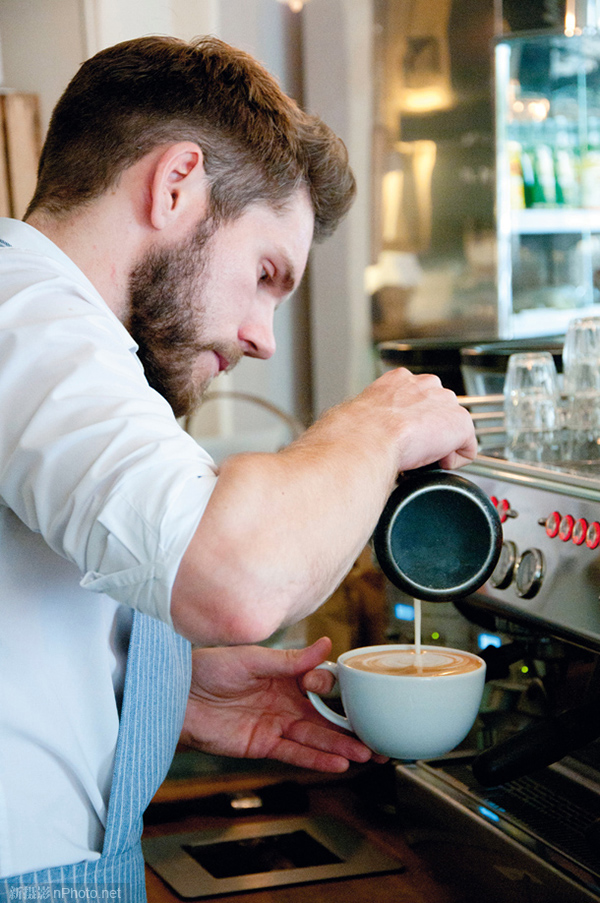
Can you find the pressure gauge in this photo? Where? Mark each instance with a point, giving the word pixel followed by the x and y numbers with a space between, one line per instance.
pixel 504 570
pixel 530 573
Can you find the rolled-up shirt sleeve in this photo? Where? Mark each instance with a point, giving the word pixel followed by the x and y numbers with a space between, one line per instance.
pixel 91 457
pixel 133 556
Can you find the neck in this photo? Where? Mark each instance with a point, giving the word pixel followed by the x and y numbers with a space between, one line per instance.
pixel 102 243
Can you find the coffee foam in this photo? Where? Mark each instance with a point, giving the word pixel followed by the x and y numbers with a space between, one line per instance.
pixel 410 663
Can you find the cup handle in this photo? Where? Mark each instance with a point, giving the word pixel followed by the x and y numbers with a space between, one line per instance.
pixel 322 707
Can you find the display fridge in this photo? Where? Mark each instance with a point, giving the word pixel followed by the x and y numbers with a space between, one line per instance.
pixel 486 163
pixel 547 180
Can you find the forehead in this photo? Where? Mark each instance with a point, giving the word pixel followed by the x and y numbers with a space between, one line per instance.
pixel 288 225
pixel 293 218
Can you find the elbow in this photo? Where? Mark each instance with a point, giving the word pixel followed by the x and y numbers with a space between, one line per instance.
pixel 225 619
pixel 225 605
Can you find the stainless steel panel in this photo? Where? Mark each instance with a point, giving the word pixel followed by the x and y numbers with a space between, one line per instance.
pixel 568 601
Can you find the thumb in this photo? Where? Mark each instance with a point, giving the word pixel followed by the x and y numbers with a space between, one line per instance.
pixel 291 662
pixel 306 659
pixel 266 662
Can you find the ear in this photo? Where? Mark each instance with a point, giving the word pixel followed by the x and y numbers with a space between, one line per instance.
pixel 178 185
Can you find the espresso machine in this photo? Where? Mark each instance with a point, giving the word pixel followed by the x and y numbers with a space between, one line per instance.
pixel 514 813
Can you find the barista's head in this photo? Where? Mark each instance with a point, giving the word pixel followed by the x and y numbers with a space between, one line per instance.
pixel 257 144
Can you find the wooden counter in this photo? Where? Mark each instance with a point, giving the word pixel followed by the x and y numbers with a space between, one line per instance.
pixel 359 800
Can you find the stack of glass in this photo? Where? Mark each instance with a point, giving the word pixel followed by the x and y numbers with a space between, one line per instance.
pixel 581 369
pixel 532 410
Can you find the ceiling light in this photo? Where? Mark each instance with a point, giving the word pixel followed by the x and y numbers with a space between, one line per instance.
pixel 294 5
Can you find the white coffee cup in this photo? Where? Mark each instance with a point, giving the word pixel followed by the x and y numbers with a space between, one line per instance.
pixel 406 705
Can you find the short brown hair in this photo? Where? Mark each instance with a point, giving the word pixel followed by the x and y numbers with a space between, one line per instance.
pixel 257 143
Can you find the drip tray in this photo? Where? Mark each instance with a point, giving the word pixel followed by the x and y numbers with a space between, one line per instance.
pixel 269 854
pixel 533 839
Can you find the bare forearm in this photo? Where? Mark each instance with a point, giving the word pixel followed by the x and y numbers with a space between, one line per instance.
pixel 282 530
pixel 279 534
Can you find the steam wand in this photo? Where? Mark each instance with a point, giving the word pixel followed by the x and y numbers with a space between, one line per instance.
pixel 540 745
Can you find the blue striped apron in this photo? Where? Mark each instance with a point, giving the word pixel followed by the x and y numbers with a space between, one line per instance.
pixel 156 687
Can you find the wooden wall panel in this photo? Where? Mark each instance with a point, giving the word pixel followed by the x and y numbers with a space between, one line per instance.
pixel 22 140
pixel 5 204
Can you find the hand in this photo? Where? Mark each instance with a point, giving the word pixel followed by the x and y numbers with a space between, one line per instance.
pixel 246 701
pixel 431 424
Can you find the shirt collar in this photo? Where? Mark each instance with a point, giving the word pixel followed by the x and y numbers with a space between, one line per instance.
pixel 21 236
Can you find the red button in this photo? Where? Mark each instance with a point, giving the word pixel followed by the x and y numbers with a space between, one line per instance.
pixel 503 507
pixel 580 531
pixel 565 531
pixel 553 524
pixel 592 539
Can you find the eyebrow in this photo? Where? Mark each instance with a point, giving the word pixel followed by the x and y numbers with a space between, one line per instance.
pixel 287 274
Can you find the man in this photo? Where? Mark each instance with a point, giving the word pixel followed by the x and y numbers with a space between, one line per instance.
pixel 178 195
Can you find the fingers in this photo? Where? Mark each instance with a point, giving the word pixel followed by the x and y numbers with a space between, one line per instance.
pixel 439 427
pixel 263 662
pixel 313 680
pixel 306 659
pixel 380 760
pixel 459 457
pixel 428 379
pixel 315 760
pixel 266 662
pixel 320 682
pixel 326 749
pixel 323 737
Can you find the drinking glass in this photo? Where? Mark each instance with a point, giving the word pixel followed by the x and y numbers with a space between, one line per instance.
pixel 581 369
pixel 532 408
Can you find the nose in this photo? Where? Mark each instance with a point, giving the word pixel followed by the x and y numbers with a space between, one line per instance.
pixel 257 338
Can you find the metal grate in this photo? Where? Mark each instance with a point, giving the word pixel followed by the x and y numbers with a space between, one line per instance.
pixel 548 805
pixel 487 413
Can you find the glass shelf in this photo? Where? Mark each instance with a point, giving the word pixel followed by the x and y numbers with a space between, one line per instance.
pixel 541 221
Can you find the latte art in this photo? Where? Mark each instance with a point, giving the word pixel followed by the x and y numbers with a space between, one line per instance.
pixel 408 662
pixel 406 702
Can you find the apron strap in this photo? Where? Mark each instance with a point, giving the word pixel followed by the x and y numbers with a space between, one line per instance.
pixel 157 683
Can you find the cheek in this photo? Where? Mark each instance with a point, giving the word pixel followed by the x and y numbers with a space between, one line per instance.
pixel 216 299
pixel 203 372
pixel 227 294
pixel 227 308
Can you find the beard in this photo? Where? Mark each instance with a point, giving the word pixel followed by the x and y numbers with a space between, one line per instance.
pixel 167 320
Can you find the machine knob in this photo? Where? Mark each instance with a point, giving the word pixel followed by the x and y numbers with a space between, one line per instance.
pixel 552 524
pixel 580 531
pixel 504 570
pixel 592 539
pixel 565 530
pixel 529 574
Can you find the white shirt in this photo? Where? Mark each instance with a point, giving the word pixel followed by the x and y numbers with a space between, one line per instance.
pixel 100 494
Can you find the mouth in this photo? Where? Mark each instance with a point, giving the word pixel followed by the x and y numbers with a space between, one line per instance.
pixel 222 361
